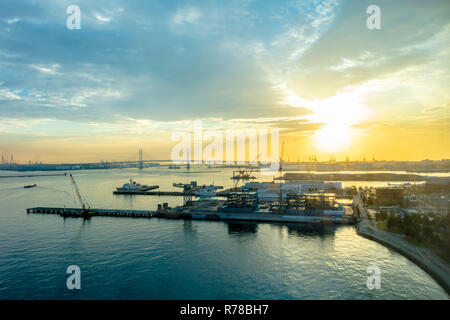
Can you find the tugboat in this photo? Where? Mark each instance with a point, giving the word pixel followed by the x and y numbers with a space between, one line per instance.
pixel 132 186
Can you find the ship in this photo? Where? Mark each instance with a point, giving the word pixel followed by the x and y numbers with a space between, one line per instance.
pixel 207 191
pixel 173 166
pixel 132 186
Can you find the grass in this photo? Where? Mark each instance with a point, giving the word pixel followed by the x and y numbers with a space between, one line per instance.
pixel 425 243
pixel 382 225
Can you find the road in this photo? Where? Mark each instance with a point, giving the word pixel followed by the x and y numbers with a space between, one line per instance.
pixel 425 258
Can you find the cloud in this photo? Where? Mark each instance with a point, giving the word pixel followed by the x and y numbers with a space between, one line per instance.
pixel 186 16
pixel 102 19
pixel 432 109
pixel 154 61
pixel 47 70
pixel 13 20
pixel 349 54
pixel 6 94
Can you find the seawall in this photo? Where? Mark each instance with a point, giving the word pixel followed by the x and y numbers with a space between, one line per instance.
pixel 439 270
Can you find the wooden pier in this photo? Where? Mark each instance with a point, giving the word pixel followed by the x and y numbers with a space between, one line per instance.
pixel 78 212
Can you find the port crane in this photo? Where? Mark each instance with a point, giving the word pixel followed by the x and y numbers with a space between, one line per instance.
pixel 83 203
pixel 244 174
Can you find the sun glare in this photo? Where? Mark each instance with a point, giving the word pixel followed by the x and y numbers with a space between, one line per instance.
pixel 333 138
pixel 338 114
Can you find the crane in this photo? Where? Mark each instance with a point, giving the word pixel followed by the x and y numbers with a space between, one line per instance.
pixel 83 203
pixel 257 163
pixel 244 174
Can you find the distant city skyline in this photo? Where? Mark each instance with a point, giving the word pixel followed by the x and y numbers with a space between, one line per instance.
pixel 136 71
pixel 10 159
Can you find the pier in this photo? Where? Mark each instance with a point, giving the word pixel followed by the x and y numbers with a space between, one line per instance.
pixel 35 175
pixel 222 193
pixel 151 193
pixel 196 212
pixel 78 212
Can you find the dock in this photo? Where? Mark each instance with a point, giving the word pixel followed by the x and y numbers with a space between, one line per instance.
pixel 35 175
pixel 78 212
pixel 192 213
pixel 151 193
pixel 222 193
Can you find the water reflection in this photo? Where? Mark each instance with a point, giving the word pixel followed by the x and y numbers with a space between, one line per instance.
pixel 188 228
pixel 245 228
pixel 126 198
pixel 311 230
pixel 240 228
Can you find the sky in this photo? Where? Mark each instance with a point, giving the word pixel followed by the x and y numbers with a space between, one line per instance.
pixel 139 70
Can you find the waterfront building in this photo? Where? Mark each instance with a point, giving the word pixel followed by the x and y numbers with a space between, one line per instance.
pixel 389 196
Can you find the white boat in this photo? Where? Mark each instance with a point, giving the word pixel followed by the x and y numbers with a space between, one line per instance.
pixel 133 186
pixel 207 191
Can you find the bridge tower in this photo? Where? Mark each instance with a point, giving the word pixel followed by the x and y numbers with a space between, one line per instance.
pixel 141 162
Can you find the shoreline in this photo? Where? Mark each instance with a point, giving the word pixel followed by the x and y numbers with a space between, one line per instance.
pixel 438 270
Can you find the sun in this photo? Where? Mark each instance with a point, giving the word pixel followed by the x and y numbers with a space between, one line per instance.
pixel 333 138
pixel 338 115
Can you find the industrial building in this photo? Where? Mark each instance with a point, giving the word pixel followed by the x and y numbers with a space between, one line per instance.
pixel 389 196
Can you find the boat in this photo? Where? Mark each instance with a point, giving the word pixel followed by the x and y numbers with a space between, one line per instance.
pixel 132 186
pixel 30 186
pixel 207 191
pixel 173 166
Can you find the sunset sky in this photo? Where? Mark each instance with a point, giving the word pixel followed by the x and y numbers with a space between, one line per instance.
pixel 138 70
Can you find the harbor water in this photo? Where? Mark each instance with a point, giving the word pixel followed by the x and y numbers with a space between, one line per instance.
pixel 126 258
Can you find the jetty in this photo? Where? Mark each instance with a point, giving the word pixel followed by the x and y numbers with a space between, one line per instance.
pixel 35 175
pixel 198 211
pixel 222 193
pixel 151 193
pixel 79 212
